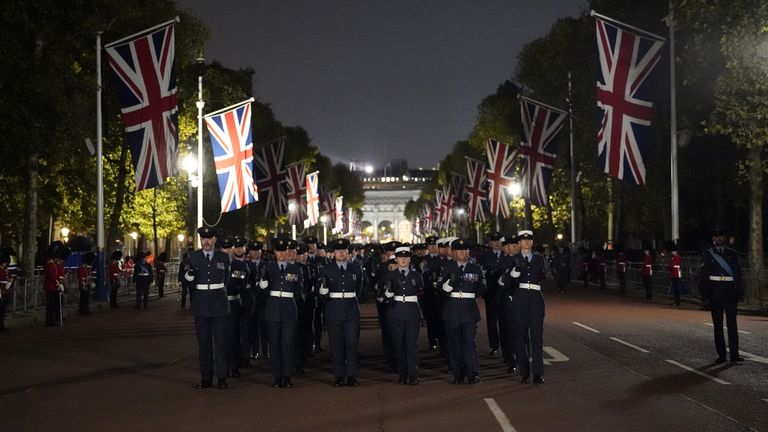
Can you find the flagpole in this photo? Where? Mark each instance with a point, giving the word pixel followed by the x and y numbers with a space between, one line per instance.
pixel 200 104
pixel 101 292
pixel 673 128
pixel 573 163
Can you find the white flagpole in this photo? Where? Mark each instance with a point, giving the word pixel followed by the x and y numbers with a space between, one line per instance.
pixel 200 105
pixel 573 164
pixel 101 292
pixel 673 128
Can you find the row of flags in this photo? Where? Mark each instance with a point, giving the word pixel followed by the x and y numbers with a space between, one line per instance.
pixel 143 67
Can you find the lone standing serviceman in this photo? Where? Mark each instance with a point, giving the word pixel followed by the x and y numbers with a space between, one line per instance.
pixel 207 272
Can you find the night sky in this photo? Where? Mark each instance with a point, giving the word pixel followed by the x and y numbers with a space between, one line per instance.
pixel 377 80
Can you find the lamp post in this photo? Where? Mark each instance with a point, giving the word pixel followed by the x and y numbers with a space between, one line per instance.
pixel 292 208
pixel 65 234
pixel 200 104
pixel 134 235
pixel 324 219
pixel 181 238
pixel 189 164
pixel 515 189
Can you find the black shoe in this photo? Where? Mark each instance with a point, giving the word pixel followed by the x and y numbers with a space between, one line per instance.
pixel 433 347
pixel 737 359
pixel 493 353
pixel 276 383
pixel 402 380
pixel 256 356
pixel 458 380
pixel 720 360
pixel 204 385
pixel 538 379
pixel 512 370
pixel 524 380
pixel 474 380
pixel 235 374
pixel 300 371
pixel 287 383
pixel 413 381
pixel 221 384
pixel 339 382
pixel 352 382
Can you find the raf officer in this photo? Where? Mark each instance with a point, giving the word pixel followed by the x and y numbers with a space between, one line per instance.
pixel 490 261
pixel 528 306
pixel 342 281
pixel 721 272
pixel 236 290
pixel 208 272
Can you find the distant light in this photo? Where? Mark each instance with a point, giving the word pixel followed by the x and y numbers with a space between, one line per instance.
pixel 189 164
pixel 323 218
pixel 368 169
pixel 559 236
pixel 65 232
pixel 405 177
pixel 292 206
pixel 134 235
pixel 515 189
pixel 180 237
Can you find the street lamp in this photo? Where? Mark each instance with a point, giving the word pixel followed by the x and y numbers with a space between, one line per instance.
pixel 515 189
pixel 65 234
pixel 180 237
pixel 324 219
pixel 134 235
pixel 368 169
pixel 292 208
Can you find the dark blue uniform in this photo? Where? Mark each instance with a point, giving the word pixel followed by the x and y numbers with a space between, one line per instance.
pixel 304 304
pixel 508 290
pixel 460 317
pixel 316 263
pixel 342 316
pixel 724 290
pixel 238 279
pixel 210 308
pixel 142 277
pixel 490 262
pixel 430 301
pixel 284 286
pixel 528 309
pixel 403 288
pixel 258 342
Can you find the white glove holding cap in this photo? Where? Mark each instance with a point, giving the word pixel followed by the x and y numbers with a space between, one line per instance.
pixel 323 290
pixel 515 274
pixel 263 284
pixel 189 276
pixel 447 286
pixel 389 294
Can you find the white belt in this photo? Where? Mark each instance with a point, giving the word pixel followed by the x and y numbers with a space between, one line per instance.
pixel 721 278
pixel 530 286
pixel 233 297
pixel 342 295
pixel 407 299
pixel 281 294
pixel 469 295
pixel 209 286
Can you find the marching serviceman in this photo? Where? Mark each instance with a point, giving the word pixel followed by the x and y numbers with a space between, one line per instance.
pixel 528 305
pixel 142 278
pixel 282 283
pixel 562 267
pixel 160 272
pixel 463 283
pixel 83 281
pixel 208 273
pixel 258 344
pixel 721 272
pixel 386 264
pixel 341 283
pixel 306 310
pixel 315 261
pixel 430 268
pixel 511 247
pixel 403 288
pixel 489 261
pixel 238 279
pixel 115 270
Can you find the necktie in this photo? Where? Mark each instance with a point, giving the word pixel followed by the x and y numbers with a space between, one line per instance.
pixel 461 268
pixel 282 269
pixel 526 259
pixel 208 256
pixel 403 272
pixel 341 269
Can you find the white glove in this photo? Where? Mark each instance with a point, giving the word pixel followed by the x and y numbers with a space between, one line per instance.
pixel 380 299
pixel 61 288
pixel 189 276
pixel 501 280
pixel 447 286
pixel 323 290
pixel 515 274
pixel 263 284
pixel 388 294
pixel 510 298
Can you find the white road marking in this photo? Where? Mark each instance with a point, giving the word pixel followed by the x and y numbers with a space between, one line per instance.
pixel 726 328
pixel 752 357
pixel 707 407
pixel 642 350
pixel 586 327
pixel 690 369
pixel 504 422
pixel 556 356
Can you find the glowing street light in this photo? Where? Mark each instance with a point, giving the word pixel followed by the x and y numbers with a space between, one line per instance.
pixel 134 235
pixel 189 164
pixel 368 169
pixel 65 234
pixel 181 237
pixel 515 189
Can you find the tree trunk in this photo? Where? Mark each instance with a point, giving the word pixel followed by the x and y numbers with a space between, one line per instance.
pixel 114 219
pixel 30 216
pixel 755 167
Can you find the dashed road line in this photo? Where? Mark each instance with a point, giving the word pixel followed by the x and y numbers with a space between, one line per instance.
pixel 642 350
pixel 504 422
pixel 726 328
pixel 690 369
pixel 586 327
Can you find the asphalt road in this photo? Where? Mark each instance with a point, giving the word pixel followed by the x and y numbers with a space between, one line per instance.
pixel 614 364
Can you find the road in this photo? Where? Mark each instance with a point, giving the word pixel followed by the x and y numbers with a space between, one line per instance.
pixel 615 363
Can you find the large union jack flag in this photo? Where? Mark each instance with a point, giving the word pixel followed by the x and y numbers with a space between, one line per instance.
pixel 270 175
pixel 146 87
pixel 426 218
pixel 439 210
pixel 295 191
pixel 233 155
pixel 626 62
pixel 447 206
pixel 501 160
pixel 338 218
pixel 538 149
pixel 313 198
pixel 475 190
pixel 328 204
pixel 459 187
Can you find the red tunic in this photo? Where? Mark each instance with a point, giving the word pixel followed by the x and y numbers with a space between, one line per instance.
pixel 621 263
pixel 114 272
pixel 674 266
pixel 54 275
pixel 5 281
pixel 83 273
pixel 647 269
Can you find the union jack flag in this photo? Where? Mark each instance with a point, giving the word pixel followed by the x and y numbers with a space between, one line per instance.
pixel 538 150
pixel 501 160
pixel 270 175
pixel 447 205
pixel 233 155
pixel 295 191
pixel 338 219
pixel 626 62
pixel 459 187
pixel 313 199
pixel 476 190
pixel 439 210
pixel 426 218
pixel 146 82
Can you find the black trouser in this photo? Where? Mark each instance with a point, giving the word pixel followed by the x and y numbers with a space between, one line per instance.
pixel 246 326
pixel 405 337
pixel 3 305
pixel 508 314
pixel 299 336
pixel 648 284
pixel 304 330
pixel 729 307
pixel 184 288
pixel 622 276
pixel 562 280
pixel 318 322
pixel 211 332
pixel 84 298
pixel 259 332
pixel 432 318
pixel 232 336
pixel 386 339
pixel 160 285
pixel 462 345
pixel 492 317
pixel 281 342
pixel 142 294
pixel 529 323
pixel 601 277
pixel 344 340
pixel 676 289
pixel 114 286
pixel 52 307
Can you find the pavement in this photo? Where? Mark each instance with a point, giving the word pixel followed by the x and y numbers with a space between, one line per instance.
pixel 613 363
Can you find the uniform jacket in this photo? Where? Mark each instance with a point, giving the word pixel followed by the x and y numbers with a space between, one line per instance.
pixel 142 273
pixel 114 272
pixel 491 264
pixel 412 284
pixel 721 290
pixel 282 309
pixel 238 277
pixel 621 263
pixel 647 270
pixel 462 310
pixel 209 303
pixel 674 267
pixel 532 272
pixel 342 309
pixel 54 275
pixel 83 273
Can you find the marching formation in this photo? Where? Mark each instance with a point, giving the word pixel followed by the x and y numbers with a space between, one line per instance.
pixel 248 303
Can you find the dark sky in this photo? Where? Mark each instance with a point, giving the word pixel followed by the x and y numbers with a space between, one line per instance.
pixel 373 80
